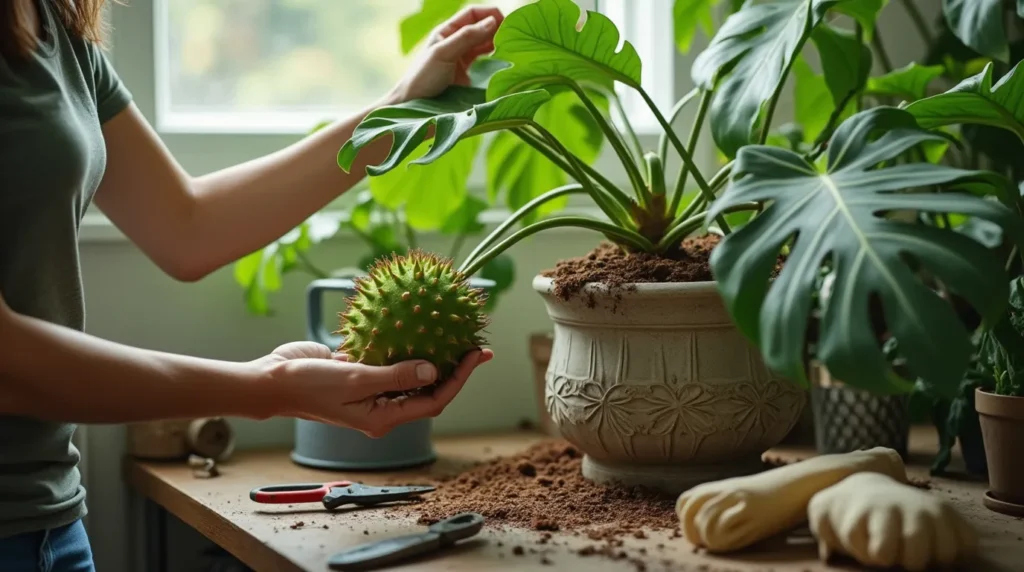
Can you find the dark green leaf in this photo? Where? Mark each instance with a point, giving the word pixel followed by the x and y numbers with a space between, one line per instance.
pixel 909 82
pixel 457 113
pixel 416 26
pixel 979 25
pixel 687 15
pixel 837 217
pixel 502 270
pixel 518 172
pixel 754 49
pixel 812 100
pixel 1004 346
pixel 845 61
pixel 976 100
pixel 541 42
pixel 466 220
pixel 429 195
pixel 865 12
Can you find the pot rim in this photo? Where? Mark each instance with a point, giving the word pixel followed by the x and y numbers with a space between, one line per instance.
pixel 990 403
pixel 545 285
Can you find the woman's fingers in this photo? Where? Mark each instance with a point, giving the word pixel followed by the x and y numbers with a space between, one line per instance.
pixel 466 17
pixel 467 39
pixel 366 381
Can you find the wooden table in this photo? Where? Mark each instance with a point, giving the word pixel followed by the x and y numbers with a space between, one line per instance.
pixel 265 537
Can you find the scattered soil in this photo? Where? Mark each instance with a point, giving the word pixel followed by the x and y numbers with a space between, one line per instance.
pixel 543 489
pixel 608 264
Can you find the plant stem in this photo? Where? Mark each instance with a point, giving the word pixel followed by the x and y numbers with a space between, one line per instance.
pixel 519 214
pixel 613 137
pixel 574 162
pixel 637 147
pixel 676 235
pixel 919 23
pixel 683 155
pixel 716 182
pixel 611 231
pixel 542 147
pixel 883 56
pixel 308 265
pixel 766 127
pixel 684 169
pixel 672 116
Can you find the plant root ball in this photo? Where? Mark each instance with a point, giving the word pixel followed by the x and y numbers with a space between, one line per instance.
pixel 413 307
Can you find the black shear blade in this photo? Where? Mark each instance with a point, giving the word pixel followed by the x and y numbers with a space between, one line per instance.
pixel 386 552
pixel 364 495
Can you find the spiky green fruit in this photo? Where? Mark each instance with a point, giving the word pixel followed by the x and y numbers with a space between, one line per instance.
pixel 415 306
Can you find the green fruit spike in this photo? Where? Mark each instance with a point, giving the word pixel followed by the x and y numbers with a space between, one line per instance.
pixel 415 306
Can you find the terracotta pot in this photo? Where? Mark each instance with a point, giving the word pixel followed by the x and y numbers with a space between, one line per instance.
pixel 657 387
pixel 1002 428
pixel 540 355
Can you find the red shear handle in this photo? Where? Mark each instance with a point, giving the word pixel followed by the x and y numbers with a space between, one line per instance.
pixel 295 493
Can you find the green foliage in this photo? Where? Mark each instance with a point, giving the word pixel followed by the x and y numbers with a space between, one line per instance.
pixel 979 24
pixel 540 40
pixel 888 203
pixel 1003 346
pixel 975 100
pixel 429 197
pixel 520 173
pixel 835 216
pixel 413 307
pixel 909 82
pixel 458 112
pixel 415 27
pixel 747 63
pixel 259 273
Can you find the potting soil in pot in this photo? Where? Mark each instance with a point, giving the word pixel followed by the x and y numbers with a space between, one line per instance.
pixel 543 489
pixel 608 264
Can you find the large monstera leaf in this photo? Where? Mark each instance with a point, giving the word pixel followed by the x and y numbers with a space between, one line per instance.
pixel 457 113
pixel 976 100
pixel 837 217
pixel 754 49
pixel 979 25
pixel 542 43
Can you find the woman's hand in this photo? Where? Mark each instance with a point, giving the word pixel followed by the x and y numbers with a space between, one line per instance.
pixel 323 386
pixel 450 49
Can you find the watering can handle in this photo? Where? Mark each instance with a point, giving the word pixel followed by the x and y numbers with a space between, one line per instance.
pixel 315 329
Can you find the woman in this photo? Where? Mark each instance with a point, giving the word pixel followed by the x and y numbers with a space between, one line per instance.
pixel 69 134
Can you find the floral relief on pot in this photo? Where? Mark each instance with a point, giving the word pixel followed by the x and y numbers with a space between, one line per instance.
pixel 657 387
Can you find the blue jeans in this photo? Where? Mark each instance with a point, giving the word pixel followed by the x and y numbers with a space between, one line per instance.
pixel 64 549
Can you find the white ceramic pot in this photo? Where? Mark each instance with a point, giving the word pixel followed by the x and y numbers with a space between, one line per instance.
pixel 657 387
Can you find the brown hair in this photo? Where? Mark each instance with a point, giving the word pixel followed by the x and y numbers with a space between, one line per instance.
pixel 82 18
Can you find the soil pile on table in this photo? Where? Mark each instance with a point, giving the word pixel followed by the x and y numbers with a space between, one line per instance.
pixel 543 489
pixel 610 265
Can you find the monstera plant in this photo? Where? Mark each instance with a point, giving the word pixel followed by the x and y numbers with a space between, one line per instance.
pixel 856 237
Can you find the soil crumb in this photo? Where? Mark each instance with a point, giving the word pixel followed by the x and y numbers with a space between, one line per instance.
pixel 543 489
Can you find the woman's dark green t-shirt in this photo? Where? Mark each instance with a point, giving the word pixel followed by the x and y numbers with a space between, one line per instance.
pixel 52 158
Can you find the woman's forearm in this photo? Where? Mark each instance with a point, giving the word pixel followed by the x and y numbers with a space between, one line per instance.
pixel 59 374
pixel 191 226
pixel 244 207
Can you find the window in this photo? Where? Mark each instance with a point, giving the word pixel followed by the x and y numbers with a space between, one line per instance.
pixel 281 66
pixel 274 66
